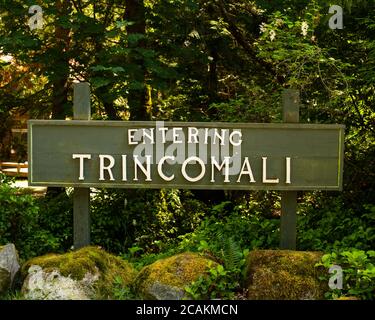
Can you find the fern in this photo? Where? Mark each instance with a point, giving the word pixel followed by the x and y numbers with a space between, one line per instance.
pixel 231 252
pixel 232 255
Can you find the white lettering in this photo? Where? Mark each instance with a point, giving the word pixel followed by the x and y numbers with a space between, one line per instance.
pixel 177 135
pixel 131 136
pixel 287 179
pixel 248 171
pixel 197 178
pixel 192 135
pixel 234 132
pixel 265 179
pixel 160 165
pixel 149 133
pixel 146 171
pixel 221 137
pixel 81 158
pixel 220 167
pixel 124 173
pixel 206 132
pixel 163 134
pixel 102 167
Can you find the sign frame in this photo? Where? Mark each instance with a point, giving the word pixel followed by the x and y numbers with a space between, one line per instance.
pixel 151 124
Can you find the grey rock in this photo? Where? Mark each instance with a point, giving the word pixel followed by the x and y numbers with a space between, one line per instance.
pixel 160 291
pixel 41 285
pixel 9 266
pixel 85 274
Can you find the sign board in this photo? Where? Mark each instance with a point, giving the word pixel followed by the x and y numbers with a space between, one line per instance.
pixel 186 155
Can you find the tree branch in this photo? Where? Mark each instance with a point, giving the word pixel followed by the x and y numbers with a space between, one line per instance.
pixel 76 6
pixel 249 49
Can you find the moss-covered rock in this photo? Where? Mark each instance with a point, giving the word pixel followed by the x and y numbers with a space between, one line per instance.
pixel 284 275
pixel 88 273
pixel 166 279
pixel 348 298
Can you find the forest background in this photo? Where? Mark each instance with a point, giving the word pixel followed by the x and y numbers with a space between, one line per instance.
pixel 193 60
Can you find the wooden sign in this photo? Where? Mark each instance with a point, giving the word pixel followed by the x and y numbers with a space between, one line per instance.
pixel 237 156
pixel 187 155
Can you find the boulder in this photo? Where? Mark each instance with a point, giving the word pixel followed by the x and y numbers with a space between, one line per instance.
pixel 166 279
pixel 88 273
pixel 9 266
pixel 284 275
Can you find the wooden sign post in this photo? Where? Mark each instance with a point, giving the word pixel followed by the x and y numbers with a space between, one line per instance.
pixel 83 153
pixel 288 225
pixel 81 196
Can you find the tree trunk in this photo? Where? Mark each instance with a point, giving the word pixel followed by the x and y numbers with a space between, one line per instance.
pixel 60 82
pixel 110 110
pixel 61 76
pixel 212 76
pixel 135 12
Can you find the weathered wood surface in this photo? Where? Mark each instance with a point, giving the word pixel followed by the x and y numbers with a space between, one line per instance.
pixel 316 153
pixel 288 223
pixel 81 196
pixel 14 169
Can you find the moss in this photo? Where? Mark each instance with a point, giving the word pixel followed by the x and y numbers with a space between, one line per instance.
pixel 177 271
pixel 284 274
pixel 91 259
pixel 348 298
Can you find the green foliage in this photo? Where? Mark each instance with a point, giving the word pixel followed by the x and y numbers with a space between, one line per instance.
pixel 12 295
pixel 217 284
pixel 122 291
pixel 249 107
pixel 203 61
pixel 233 257
pixel 35 226
pixel 151 220
pixel 327 224
pixel 246 230
pixel 221 281
pixel 17 213
pixel 358 273
pixel 55 217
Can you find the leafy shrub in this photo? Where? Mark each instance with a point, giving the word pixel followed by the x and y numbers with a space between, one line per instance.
pixel 35 226
pixel 327 223
pixel 55 220
pixel 122 291
pixel 358 268
pixel 149 219
pixel 216 284
pixel 17 212
pixel 121 219
pixel 224 280
pixel 247 231
pixel 252 106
